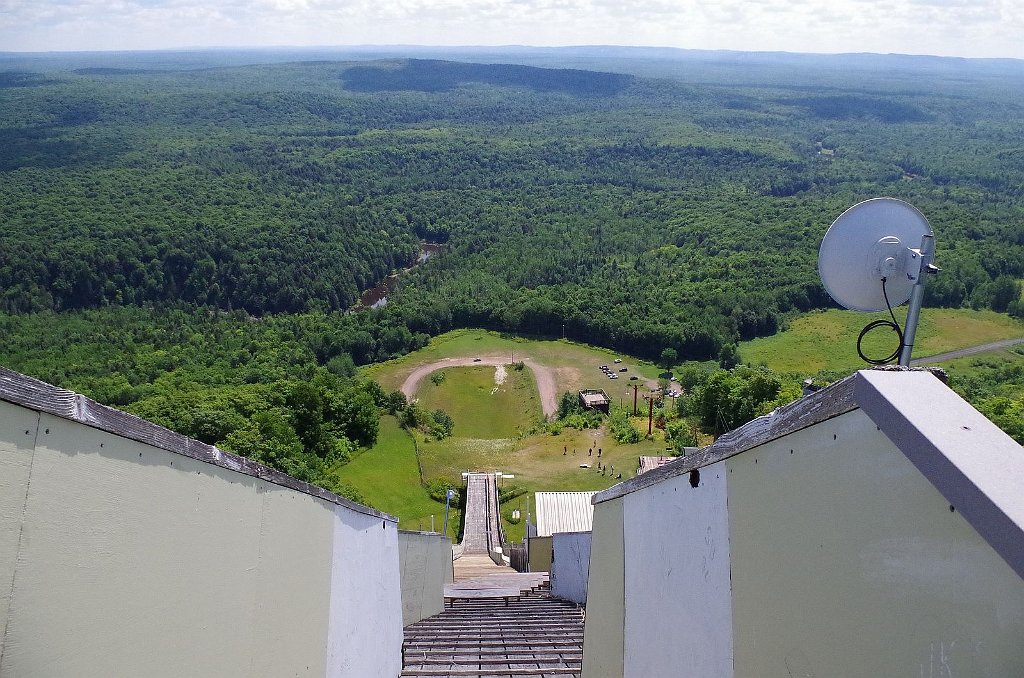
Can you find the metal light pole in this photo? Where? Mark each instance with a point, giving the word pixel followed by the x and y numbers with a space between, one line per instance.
pixel 447 501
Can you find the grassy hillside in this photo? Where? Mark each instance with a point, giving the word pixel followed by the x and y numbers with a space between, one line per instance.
pixel 575 365
pixel 480 406
pixel 388 476
pixel 493 423
pixel 827 340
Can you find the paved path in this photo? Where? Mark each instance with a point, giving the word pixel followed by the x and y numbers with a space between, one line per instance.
pixel 544 376
pixel 964 352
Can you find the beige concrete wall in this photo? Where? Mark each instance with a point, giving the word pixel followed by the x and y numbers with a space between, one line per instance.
pixel 425 561
pixel 19 426
pixel 134 560
pixel 540 554
pixel 846 561
pixel 603 631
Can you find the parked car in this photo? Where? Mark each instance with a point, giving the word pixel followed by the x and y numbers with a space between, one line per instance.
pixel 618 360
pixel 622 369
pixel 633 378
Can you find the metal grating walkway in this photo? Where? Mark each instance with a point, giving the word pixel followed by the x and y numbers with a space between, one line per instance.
pixel 534 636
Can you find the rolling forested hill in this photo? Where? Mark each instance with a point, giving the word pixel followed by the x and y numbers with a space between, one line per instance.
pixel 638 213
pixel 219 214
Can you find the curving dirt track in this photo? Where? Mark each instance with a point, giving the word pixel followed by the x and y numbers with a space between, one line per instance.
pixel 544 376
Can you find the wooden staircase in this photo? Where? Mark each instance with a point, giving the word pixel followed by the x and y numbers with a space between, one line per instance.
pixel 534 635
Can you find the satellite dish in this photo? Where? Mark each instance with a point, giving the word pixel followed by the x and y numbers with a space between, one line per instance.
pixel 876 256
pixel 875 239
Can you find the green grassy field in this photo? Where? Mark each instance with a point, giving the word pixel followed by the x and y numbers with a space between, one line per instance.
pixel 493 423
pixel 827 340
pixel 541 462
pixel 493 427
pixel 388 476
pixel 480 407
pixel 575 365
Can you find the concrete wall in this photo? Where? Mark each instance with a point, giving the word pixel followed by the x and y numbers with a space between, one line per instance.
pixel 847 561
pixel 570 565
pixel 540 554
pixel 603 631
pixel 678 619
pixel 121 558
pixel 425 561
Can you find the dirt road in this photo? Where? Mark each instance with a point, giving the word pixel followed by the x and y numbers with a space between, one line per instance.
pixel 544 377
pixel 964 352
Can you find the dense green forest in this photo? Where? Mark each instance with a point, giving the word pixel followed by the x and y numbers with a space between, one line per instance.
pixel 175 224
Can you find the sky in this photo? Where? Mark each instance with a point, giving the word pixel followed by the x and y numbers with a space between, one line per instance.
pixel 968 28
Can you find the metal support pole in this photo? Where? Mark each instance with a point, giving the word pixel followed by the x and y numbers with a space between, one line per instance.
pixel 447 501
pixel 917 299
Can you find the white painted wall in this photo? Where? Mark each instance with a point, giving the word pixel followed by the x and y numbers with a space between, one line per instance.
pixel 119 558
pixel 365 630
pixel 570 565
pixel 846 561
pixel 678 615
pixel 425 561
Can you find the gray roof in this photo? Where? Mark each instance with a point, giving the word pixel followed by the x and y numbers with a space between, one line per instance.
pixel 564 512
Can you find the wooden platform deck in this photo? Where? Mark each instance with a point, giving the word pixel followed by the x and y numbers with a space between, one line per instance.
pixel 533 636
pixel 504 586
pixel 472 566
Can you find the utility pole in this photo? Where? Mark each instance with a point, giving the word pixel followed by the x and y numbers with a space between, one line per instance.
pixel 635 387
pixel 650 414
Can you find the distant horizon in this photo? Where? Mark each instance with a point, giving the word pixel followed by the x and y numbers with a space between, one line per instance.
pixel 974 29
pixel 483 47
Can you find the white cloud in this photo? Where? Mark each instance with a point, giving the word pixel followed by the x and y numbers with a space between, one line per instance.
pixel 946 27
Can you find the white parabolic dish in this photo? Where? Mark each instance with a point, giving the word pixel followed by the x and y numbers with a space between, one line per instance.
pixel 871 240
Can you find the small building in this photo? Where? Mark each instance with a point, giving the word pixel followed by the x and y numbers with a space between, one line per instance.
pixel 650 463
pixel 595 399
pixel 560 541
pixel 564 512
pixel 873 528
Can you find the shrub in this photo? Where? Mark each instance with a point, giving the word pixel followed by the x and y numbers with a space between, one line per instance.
pixel 442 424
pixel 438 488
pixel 622 428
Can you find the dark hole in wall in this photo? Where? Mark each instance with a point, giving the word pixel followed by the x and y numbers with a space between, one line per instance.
pixel 694 478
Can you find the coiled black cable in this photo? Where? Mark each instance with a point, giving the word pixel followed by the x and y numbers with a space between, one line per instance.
pixel 882 323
